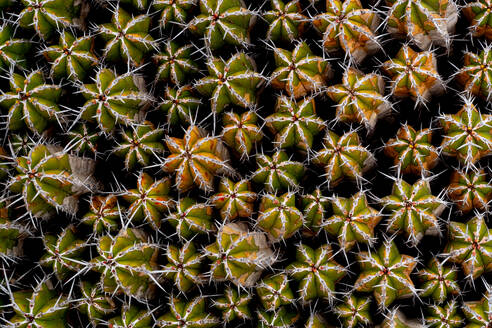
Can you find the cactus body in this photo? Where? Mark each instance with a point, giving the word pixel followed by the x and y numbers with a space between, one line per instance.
pixel 191 218
pixel 241 132
pixel 234 199
pixel 13 52
pixel 192 314
pixel 446 316
pixel 175 63
pixel 354 311
pixel 479 15
pixel 278 172
pixel 286 22
pixel 470 190
pixel 476 73
pixel 94 303
pixel 282 318
pixel 274 291
pixel 438 281
pixel 103 215
pixel 234 305
pixel 180 105
pixel 183 266
pixel 173 11
pixel 132 317
pixel 314 206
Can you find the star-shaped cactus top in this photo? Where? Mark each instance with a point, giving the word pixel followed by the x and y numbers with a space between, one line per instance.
pixel 447 316
pixel 412 151
pixel 223 22
pixel 360 98
pixel 354 311
pixel 299 72
pixel 281 318
pixel 31 102
pixel 278 172
pixel 132 317
pixel 353 220
pixel 343 156
pixel 315 206
pixel 83 139
pixel 479 313
pixel 470 244
pixel 470 190
pixel 127 37
pixel 94 302
pixel 175 63
pixel 173 11
pixel 72 57
pixel 414 75
pixel 231 82
pixel 234 304
pixel 479 14
pixel 187 314
pixel 423 22
pixel 180 105
pixel 316 272
pixel 468 134
pixel 295 123
pixel 104 214
pixel 386 272
pixel 241 132
pixel 413 209
pixel 234 199
pixel 286 22
pixel 196 159
pixel 438 281
pixel 13 52
pixel 183 266
pixel 476 73
pixel 191 218
pixel 274 291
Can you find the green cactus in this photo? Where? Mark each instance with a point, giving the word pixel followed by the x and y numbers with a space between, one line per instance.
pixel 140 144
pixel 479 313
pixel 13 52
pixel 467 134
pixel 476 74
pixel 239 255
pixel 438 281
pixel 223 22
pixel 132 317
pixel 21 144
pixel 285 21
pixel 196 159
pixel 470 245
pixel 127 263
pixel 479 15
pixel 470 190
pixel 396 319
pixel 315 320
pixel 423 22
pixel 175 63
pixel 104 214
pixel 347 25
pixel 231 82
pixel 234 200
pixel 354 311
pixel 414 75
pixel 191 218
pixel 294 124
pixel 314 206
pixel 447 316
pixel 360 98
pixel 413 210
pixel 12 235
pixel 137 4
pixel 386 273
pixel 127 37
pixel 72 57
pixel 274 291
pixel 234 305
pixel 343 156
pixel 282 318
pixel 353 221
pixel 114 99
pixel 299 72
pixel 180 105
pixel 279 216
pixel 277 172
pixel 173 11
pixel 412 151
pixel 31 102
pixel 183 313
pixel 95 304
pixel 184 266
pixel 241 132
pixel 150 200
pixel 83 139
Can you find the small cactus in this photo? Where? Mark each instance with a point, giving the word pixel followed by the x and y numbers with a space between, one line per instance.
pixel 479 313
pixel 12 235
pixel 83 139
pixel 241 132
pixel 281 318
pixel 314 206
pixel 132 317
pixel 104 214
pixel 191 218
pixel 180 105
pixel 94 303
pixel 234 305
pixel 234 200
pixel 274 291
pixel 184 266
pixel 354 311
pixel 396 319
pixel 447 316
pixel 438 281
pixel 470 190
pixel 173 11
pixel 476 74
pixel 13 52
pixel 286 22
pixel 278 172
pixel 175 63
pixel 183 313
pixel 479 15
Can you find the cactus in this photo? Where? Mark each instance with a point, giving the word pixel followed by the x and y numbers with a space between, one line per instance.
pixel 83 139
pixel 278 172
pixel 286 23
pixel 190 313
pixel 150 200
pixel 469 245
pixel 479 313
pixel 386 273
pixel 476 74
pixel 238 255
pixel 104 214
pixel 274 291
pixel 314 208
pixel 294 124
pixel 31 102
pixel 316 272
pixel 315 320
pixel 175 63
pixel 343 156
pixel 234 200
pixel 234 305
pixel 113 99
pixel 72 57
pixel 241 133
pixel 353 221
pixel 470 190
pixel 63 253
pixel 396 319
pixel 94 303
pixel 184 266
pixel 191 218
pixel 467 134
pixel 282 318
pixel 299 72
pixel 231 82
pixel 223 22
pixel 138 4
pixel 196 159
pixel 21 144
pixel 413 210
pixel 132 317
pixel 127 263
pixel 414 75
pixel 127 37
pixel 354 311
pixel 279 216
pixel 412 151
pixel 173 11
pixel 348 26
pixel 13 52
pixel 479 15
pixel 50 180
pixel 140 144
pixel 360 98
pixel 444 317
pixel 180 105
pixel 423 22
pixel 438 281
pixel 12 235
